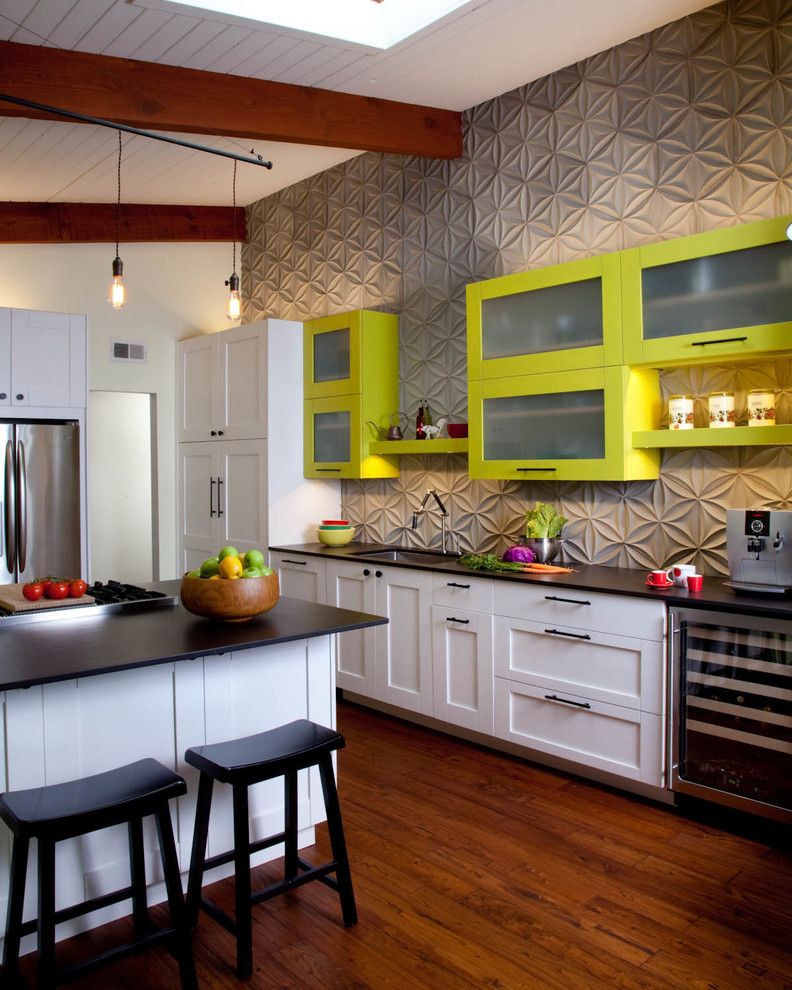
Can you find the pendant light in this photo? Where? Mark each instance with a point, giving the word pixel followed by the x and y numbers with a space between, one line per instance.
pixel 116 294
pixel 234 304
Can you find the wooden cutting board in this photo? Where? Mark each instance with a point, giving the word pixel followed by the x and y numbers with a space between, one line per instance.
pixel 12 600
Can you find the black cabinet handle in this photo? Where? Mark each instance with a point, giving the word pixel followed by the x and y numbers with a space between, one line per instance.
pixel 301 563
pixel 213 433
pixel 455 584
pixel 377 573
pixel 723 340
pixel 219 433
pixel 566 701
pixel 538 469
pixel 20 397
pixel 462 622
pixel 558 632
pixel 366 572
pixel 3 395
pixel 219 510
pixel 328 469
pixel 571 601
pixel 211 500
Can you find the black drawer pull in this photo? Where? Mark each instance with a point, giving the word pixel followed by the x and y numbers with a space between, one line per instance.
pixel 571 601
pixel 336 470
pixel 566 701
pixel 455 584
pixel 301 563
pixel 462 622
pixel 558 632
pixel 538 469
pixel 724 340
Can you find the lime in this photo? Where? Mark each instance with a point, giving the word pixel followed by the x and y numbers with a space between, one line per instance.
pixel 254 558
pixel 228 552
pixel 252 572
pixel 210 567
pixel 266 571
pixel 194 574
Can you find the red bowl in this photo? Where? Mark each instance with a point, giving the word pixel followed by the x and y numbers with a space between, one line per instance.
pixel 457 431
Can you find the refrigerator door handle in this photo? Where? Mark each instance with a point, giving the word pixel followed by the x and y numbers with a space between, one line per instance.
pixel 9 498
pixel 22 506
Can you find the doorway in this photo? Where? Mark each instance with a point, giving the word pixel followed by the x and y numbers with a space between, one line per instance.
pixel 122 485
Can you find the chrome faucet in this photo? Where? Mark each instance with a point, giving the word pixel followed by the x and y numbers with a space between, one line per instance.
pixel 445 533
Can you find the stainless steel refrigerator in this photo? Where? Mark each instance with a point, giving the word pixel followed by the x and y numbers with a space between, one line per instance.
pixel 39 500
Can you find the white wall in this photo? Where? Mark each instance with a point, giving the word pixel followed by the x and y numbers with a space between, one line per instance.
pixel 174 291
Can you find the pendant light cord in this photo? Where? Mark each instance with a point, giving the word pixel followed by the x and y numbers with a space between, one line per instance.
pixel 118 198
pixel 233 267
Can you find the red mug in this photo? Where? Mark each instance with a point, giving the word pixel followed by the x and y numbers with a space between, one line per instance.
pixel 660 578
pixel 695 582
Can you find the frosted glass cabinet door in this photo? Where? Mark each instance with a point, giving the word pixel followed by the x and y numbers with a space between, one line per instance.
pixel 560 426
pixel 331 436
pixel 332 355
pixel 719 295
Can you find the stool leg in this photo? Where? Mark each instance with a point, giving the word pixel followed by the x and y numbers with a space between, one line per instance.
pixel 244 922
pixel 45 964
pixel 290 824
pixel 178 913
pixel 203 809
pixel 137 869
pixel 337 841
pixel 16 903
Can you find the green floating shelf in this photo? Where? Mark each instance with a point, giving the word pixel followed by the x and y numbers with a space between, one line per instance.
pixel 418 446
pixel 737 436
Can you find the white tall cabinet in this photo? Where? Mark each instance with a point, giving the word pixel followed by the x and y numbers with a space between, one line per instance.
pixel 241 483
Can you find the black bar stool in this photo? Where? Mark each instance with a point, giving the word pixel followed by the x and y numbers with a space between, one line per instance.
pixel 281 752
pixel 63 811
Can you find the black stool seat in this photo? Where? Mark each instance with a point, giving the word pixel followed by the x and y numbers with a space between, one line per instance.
pixel 82 806
pixel 294 746
pixel 281 752
pixel 56 812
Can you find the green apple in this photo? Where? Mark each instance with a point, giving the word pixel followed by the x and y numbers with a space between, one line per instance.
pixel 227 552
pixel 194 574
pixel 252 572
pixel 254 558
pixel 210 567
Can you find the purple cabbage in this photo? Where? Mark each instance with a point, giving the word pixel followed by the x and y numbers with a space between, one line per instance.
pixel 519 555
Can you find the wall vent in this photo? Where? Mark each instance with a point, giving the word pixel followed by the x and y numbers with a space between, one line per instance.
pixel 121 350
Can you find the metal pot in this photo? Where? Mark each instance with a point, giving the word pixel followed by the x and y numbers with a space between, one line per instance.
pixel 545 549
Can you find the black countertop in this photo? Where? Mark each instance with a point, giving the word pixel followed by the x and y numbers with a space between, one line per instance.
pixel 616 580
pixel 93 641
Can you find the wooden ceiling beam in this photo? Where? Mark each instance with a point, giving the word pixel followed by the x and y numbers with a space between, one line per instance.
pixel 95 223
pixel 191 101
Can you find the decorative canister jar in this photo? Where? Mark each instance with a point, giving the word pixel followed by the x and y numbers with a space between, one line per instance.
pixel 721 409
pixel 680 412
pixel 761 407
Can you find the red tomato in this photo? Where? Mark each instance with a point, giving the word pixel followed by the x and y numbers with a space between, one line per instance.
pixel 77 588
pixel 33 591
pixel 46 582
pixel 57 589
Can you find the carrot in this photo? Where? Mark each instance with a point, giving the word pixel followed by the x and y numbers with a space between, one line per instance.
pixel 545 569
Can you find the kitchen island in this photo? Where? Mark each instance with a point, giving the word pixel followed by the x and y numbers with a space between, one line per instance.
pixel 95 688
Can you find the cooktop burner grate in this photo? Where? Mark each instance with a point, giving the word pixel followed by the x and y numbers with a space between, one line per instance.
pixel 118 593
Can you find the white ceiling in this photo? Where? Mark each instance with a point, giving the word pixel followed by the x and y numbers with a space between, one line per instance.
pixel 483 49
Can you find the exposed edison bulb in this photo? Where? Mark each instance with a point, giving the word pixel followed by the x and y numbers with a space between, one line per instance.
pixel 234 304
pixel 116 294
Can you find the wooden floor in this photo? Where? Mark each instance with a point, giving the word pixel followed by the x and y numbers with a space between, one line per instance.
pixel 474 870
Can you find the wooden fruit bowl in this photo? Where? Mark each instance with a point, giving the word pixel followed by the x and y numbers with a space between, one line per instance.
pixel 229 600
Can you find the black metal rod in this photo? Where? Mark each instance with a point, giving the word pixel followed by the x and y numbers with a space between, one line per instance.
pixel 723 340
pixel 101 122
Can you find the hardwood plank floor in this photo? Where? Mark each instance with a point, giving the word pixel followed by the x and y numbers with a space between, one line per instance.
pixel 476 870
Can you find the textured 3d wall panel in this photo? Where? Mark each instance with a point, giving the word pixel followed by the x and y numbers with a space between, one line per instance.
pixel 685 129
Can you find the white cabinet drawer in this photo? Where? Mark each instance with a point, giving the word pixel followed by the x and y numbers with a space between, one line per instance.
pixel 462 591
pixel 617 740
pixel 618 670
pixel 587 610
pixel 300 576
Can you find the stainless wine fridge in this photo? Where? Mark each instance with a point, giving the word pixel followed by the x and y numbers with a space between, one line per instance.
pixel 731 710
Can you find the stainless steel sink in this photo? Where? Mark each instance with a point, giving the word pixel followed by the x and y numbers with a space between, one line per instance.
pixel 398 555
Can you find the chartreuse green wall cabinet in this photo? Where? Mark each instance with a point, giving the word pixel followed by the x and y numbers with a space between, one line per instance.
pixel 564 426
pixel 351 365
pixel 561 318
pixel 720 296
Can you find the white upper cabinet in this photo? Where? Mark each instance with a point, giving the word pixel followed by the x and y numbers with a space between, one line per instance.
pixel 222 385
pixel 42 359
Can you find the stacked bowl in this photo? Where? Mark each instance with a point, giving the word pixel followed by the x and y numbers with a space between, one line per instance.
pixel 335 532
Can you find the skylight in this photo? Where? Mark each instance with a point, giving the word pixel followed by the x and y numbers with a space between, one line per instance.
pixel 374 23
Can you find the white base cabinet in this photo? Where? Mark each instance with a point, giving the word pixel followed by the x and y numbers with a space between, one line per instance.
pixel 352 585
pixel 300 577
pixel 462 662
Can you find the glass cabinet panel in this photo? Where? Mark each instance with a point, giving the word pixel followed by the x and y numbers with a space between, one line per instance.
pixel 331 356
pixel 554 426
pixel 746 288
pixel 331 433
pixel 552 319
